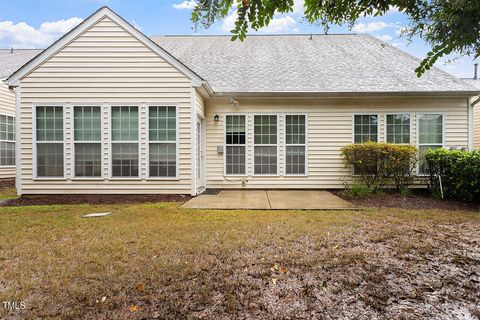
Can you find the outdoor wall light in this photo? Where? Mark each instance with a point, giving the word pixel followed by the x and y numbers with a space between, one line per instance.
pixel 216 118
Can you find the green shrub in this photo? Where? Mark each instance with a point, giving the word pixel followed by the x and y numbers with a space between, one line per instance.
pixel 458 170
pixel 355 190
pixel 381 164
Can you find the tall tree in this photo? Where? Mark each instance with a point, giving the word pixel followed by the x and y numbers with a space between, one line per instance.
pixel 449 26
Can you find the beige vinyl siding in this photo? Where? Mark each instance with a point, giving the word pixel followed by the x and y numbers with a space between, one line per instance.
pixel 7 107
pixel 330 124
pixel 476 127
pixel 106 66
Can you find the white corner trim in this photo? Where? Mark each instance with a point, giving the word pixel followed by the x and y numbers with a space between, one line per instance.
pixel 18 142
pixel 193 141
pixel 103 12
pixel 470 125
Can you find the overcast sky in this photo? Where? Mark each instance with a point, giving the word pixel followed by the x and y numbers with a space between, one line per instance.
pixel 36 24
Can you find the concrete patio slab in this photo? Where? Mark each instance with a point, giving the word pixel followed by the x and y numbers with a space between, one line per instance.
pixel 307 199
pixel 231 199
pixel 270 199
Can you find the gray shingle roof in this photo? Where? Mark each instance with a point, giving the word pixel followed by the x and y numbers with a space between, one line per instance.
pixel 10 62
pixel 294 63
pixel 472 82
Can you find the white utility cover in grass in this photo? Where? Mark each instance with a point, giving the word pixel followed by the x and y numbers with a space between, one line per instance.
pixel 97 215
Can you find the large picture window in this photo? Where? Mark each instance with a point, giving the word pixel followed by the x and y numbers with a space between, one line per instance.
pixel 265 139
pixel 430 136
pixel 87 135
pixel 49 142
pixel 236 141
pixel 7 141
pixel 125 142
pixel 162 134
pixel 295 144
pixel 398 128
pixel 365 128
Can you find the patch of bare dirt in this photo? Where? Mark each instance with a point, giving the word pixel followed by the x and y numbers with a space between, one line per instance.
pixel 93 199
pixel 419 199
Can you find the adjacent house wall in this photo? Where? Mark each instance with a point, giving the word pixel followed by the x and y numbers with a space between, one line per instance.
pixel 476 127
pixel 106 65
pixel 330 123
pixel 7 107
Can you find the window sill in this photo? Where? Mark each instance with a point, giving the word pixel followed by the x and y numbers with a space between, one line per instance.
pixel 162 179
pixel 124 179
pixel 88 179
pixel 50 179
pixel 8 167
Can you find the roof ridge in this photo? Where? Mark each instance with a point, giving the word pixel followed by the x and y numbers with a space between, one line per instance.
pixel 256 35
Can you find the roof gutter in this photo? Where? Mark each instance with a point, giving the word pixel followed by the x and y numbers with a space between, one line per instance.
pixel 340 94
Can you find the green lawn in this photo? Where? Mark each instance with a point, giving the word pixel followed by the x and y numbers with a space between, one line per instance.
pixel 160 261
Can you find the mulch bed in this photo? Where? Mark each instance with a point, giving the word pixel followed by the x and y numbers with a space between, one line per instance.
pixel 7 183
pixel 420 199
pixel 94 199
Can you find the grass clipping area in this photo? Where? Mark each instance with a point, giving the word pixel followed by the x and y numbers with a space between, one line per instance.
pixel 159 261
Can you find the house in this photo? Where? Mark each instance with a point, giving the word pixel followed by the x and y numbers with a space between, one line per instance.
pixel 106 109
pixel 475 82
pixel 10 60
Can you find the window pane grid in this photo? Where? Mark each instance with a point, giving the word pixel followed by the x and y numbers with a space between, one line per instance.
pixel 88 160
pixel 124 123
pixel 50 160
pixel 235 150
pixel 125 160
pixel 7 140
pixel 163 160
pixel 162 121
pixel 49 123
pixel 398 128
pixel 87 124
pixel 49 142
pixel 365 128
pixel 295 128
pixel 265 144
pixel 430 136
pixel 7 153
pixel 124 132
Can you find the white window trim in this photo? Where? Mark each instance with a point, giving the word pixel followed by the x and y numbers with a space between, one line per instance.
pixel 266 145
pixel 14 134
pixel 418 144
pixel 295 145
pixel 72 135
pixel 366 114
pixel 177 150
pixel 393 114
pixel 110 143
pixel 225 144
pixel 34 139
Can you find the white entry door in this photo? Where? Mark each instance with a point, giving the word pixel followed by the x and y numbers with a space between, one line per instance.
pixel 200 156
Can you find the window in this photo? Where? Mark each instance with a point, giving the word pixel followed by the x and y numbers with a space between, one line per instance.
pixel 125 142
pixel 398 128
pixel 295 145
pixel 49 142
pixel 236 142
pixel 162 141
pixel 87 124
pixel 365 128
pixel 265 144
pixel 430 136
pixel 7 141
